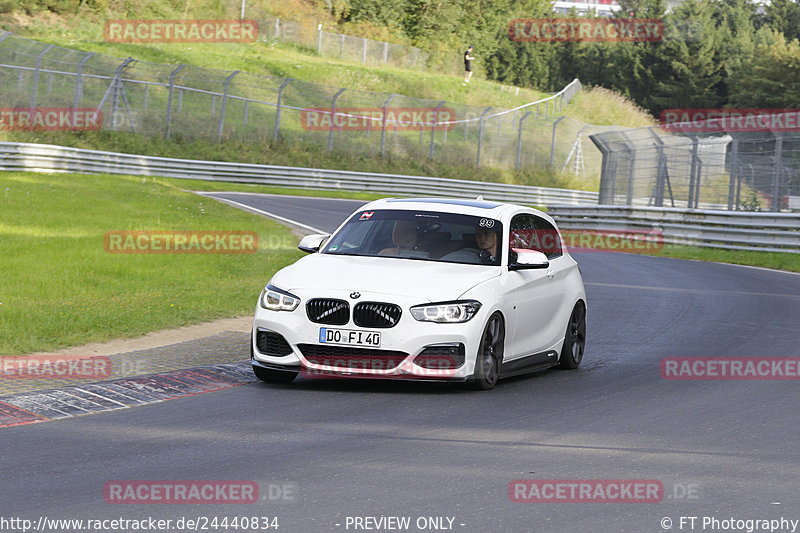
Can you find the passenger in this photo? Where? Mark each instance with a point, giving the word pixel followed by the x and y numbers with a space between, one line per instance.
pixel 405 238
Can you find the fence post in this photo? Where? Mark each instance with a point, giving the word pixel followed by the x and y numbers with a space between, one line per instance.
pixel 172 76
pixel 319 39
pixel 333 117
pixel 76 101
pixel 341 45
pixel 383 125
pixel 435 125
pixel 776 175
pixel 116 84
pixel 734 170
pixel 606 194
pixel 278 108
pixel 518 162
pixel 480 136
pixel 693 177
pixel 661 172
pixel 224 103
pixel 364 51
pixel 39 59
pixel 553 141
pixel 277 28
pixel 385 53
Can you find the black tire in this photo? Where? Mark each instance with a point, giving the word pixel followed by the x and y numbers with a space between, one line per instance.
pixel 490 355
pixel 274 376
pixel 574 339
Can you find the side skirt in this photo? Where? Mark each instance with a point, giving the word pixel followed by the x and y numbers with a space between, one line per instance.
pixel 529 363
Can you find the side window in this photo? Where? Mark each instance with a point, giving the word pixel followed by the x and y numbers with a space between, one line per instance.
pixel 522 233
pixel 549 241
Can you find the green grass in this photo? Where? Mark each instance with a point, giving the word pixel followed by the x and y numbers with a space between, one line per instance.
pixel 775 260
pixel 60 287
pixel 454 159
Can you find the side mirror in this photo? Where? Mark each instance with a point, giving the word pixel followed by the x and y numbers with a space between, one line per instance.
pixel 312 243
pixel 527 259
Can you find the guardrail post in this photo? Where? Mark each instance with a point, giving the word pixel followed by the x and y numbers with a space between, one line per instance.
pixel 775 204
pixel 172 76
pixel 553 141
pixel 435 125
pixel 224 103
pixel 39 59
pixel 734 170
pixel 480 136
pixel 518 161
pixel 333 117
pixel 383 125
pixel 278 108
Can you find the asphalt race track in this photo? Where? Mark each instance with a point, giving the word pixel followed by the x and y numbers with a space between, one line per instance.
pixel 723 449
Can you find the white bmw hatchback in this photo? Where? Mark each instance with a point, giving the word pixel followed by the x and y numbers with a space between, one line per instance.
pixel 425 289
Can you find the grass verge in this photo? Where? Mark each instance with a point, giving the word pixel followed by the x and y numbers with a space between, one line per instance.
pixel 60 287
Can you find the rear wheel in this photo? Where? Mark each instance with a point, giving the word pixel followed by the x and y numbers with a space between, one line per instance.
pixel 490 355
pixel 575 339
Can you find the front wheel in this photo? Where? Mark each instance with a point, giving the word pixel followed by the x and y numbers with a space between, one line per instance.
pixel 574 339
pixel 490 355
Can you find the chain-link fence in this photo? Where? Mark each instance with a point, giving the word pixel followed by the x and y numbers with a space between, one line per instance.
pixel 200 103
pixel 350 48
pixel 755 171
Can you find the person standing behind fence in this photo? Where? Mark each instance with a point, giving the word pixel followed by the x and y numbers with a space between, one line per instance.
pixel 468 58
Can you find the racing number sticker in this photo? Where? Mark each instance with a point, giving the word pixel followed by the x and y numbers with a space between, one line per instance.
pixel 486 223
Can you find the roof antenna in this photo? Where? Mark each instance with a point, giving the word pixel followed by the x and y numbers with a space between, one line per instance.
pixel 480 197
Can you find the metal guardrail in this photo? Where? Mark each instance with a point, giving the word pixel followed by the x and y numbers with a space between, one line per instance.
pixel 731 230
pixel 51 158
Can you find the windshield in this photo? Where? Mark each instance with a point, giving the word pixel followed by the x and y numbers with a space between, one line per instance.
pixel 420 235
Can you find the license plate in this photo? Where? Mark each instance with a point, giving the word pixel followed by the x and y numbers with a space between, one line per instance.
pixel 350 337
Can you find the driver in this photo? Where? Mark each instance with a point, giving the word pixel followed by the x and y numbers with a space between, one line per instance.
pixel 486 252
pixel 487 244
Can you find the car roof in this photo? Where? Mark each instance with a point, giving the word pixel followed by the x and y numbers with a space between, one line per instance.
pixel 465 206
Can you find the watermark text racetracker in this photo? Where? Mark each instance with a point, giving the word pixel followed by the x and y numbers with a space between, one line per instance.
pixel 705 120
pixel 376 119
pixel 50 119
pixel 586 30
pixel 197 492
pixel 55 367
pixel 181 31
pixel 181 242
pixel 586 491
pixel 730 368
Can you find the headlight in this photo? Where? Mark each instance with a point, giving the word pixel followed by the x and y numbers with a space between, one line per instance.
pixel 446 312
pixel 276 299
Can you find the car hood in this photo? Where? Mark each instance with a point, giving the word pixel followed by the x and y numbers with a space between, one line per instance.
pixel 424 280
